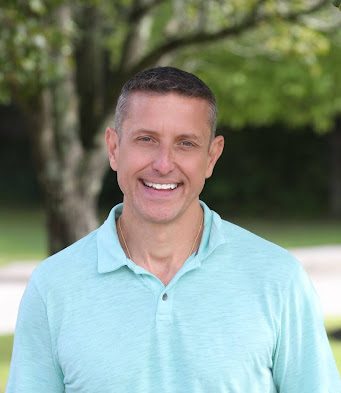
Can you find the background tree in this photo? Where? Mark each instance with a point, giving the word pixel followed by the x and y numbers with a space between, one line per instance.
pixel 64 63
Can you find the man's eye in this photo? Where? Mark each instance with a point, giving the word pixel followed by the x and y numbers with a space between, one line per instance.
pixel 187 143
pixel 145 139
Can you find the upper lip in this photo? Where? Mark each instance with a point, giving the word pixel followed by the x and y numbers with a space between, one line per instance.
pixel 161 182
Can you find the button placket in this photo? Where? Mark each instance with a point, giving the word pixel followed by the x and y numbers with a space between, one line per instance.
pixel 164 307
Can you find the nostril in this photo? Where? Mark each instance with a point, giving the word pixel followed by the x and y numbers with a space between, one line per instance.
pixel 163 164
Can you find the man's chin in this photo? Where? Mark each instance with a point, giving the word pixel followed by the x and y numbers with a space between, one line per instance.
pixel 159 215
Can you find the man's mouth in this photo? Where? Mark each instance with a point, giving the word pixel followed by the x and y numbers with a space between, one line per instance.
pixel 161 186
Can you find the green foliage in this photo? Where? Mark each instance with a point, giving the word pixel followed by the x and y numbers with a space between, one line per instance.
pixel 34 33
pixel 278 73
pixel 260 90
pixel 337 3
pixel 31 38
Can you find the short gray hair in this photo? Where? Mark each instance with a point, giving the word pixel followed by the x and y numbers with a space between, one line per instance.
pixel 163 80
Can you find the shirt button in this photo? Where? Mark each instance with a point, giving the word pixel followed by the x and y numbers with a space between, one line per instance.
pixel 164 297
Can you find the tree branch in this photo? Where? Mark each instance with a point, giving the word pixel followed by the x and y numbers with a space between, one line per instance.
pixel 140 10
pixel 90 55
pixel 135 17
pixel 249 22
pixel 293 16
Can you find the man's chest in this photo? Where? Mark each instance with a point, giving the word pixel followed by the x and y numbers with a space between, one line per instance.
pixel 169 343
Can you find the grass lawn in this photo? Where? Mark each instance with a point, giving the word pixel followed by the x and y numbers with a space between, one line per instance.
pixel 333 325
pixel 22 235
pixel 295 233
pixel 6 343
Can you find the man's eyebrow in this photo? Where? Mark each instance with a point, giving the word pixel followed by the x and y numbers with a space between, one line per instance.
pixel 189 136
pixel 142 130
pixel 185 135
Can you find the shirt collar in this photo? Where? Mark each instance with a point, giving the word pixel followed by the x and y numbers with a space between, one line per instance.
pixel 213 235
pixel 111 255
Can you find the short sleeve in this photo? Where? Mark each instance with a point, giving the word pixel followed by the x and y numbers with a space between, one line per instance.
pixel 303 361
pixel 33 365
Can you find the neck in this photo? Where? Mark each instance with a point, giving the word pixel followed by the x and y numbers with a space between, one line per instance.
pixel 161 248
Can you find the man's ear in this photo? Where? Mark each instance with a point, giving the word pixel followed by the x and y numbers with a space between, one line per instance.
pixel 112 142
pixel 215 150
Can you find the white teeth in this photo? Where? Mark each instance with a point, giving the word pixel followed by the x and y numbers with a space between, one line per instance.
pixel 159 186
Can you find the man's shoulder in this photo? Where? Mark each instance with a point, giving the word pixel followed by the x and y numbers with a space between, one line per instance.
pixel 75 260
pixel 238 234
pixel 257 252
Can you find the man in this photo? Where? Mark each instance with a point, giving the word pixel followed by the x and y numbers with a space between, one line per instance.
pixel 166 296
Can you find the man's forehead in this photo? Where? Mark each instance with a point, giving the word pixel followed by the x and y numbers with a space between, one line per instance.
pixel 142 102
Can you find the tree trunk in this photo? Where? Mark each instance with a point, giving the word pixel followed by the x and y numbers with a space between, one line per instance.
pixel 70 215
pixel 70 174
pixel 70 177
pixel 335 170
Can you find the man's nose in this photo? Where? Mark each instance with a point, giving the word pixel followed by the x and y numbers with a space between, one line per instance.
pixel 163 161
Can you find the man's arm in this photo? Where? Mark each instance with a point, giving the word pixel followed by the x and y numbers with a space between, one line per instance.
pixel 303 361
pixel 33 367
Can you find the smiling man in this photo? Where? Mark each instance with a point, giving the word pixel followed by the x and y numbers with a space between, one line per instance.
pixel 163 150
pixel 166 296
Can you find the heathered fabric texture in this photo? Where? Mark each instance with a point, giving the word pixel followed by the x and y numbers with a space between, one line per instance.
pixel 240 316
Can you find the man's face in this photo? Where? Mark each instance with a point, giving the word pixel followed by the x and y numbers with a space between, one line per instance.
pixel 163 155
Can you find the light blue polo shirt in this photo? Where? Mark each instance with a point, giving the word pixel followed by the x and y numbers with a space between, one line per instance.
pixel 240 316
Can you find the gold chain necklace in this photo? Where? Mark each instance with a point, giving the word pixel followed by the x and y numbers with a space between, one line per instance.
pixel 122 236
pixel 127 248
